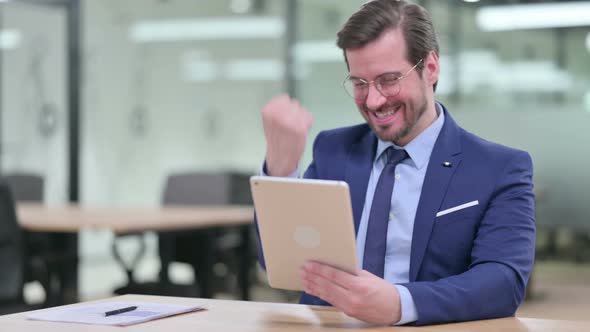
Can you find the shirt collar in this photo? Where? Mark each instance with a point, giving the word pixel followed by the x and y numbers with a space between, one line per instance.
pixel 420 148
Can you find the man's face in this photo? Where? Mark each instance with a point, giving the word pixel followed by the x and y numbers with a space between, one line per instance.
pixel 399 118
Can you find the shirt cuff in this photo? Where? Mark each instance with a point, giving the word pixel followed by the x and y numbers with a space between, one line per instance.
pixel 263 171
pixel 408 307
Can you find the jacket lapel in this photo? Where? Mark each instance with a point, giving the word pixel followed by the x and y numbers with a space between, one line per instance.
pixel 436 181
pixel 358 169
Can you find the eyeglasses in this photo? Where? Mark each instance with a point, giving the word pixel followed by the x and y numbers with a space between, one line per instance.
pixel 387 84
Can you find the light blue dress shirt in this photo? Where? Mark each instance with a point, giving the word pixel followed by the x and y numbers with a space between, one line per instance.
pixel 409 177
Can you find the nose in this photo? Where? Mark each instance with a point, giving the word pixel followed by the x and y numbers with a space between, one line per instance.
pixel 374 98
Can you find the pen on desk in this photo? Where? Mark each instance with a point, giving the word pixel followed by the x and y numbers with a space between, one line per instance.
pixel 119 311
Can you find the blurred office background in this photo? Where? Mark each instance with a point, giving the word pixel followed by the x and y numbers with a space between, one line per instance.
pixel 106 98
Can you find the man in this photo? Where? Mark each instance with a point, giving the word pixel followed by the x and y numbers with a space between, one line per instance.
pixel 444 219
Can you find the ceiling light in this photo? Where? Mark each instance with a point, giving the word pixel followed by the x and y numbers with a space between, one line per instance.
pixel 318 51
pixel 534 16
pixel 231 28
pixel 9 39
pixel 198 67
pixel 254 70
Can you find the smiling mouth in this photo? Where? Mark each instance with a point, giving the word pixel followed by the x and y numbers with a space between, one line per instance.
pixel 386 112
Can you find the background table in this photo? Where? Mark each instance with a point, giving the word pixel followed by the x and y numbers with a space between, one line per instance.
pixel 73 218
pixel 226 316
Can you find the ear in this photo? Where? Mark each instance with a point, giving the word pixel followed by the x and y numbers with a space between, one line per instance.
pixel 431 68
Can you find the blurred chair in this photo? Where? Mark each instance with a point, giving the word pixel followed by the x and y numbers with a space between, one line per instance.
pixel 28 187
pixel 11 256
pixel 40 250
pixel 204 249
pixel 25 187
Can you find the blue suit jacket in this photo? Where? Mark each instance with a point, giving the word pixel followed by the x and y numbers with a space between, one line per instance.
pixel 470 264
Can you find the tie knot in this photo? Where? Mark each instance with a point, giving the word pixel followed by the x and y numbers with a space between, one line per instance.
pixel 394 156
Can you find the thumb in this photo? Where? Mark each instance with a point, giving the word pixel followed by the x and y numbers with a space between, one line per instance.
pixel 365 273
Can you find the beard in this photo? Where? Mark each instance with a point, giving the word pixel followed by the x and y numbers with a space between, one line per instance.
pixel 411 116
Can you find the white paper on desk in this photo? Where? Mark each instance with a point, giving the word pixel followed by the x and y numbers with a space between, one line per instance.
pixel 93 313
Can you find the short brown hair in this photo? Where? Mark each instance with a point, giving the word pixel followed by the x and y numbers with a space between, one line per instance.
pixel 378 16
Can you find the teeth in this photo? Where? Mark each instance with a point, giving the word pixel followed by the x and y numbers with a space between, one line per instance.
pixel 382 115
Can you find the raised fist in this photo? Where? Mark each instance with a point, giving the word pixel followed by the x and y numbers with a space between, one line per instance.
pixel 286 124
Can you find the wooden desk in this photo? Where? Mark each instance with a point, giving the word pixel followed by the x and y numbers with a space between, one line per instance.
pixel 226 316
pixel 73 218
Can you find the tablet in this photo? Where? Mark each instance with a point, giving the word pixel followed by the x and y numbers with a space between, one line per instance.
pixel 301 220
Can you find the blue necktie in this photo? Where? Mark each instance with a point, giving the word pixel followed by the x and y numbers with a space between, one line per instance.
pixel 376 241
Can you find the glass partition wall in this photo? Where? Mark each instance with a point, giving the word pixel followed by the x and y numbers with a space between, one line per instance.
pixel 175 86
pixel 34 120
pixel 34 117
pixel 170 86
